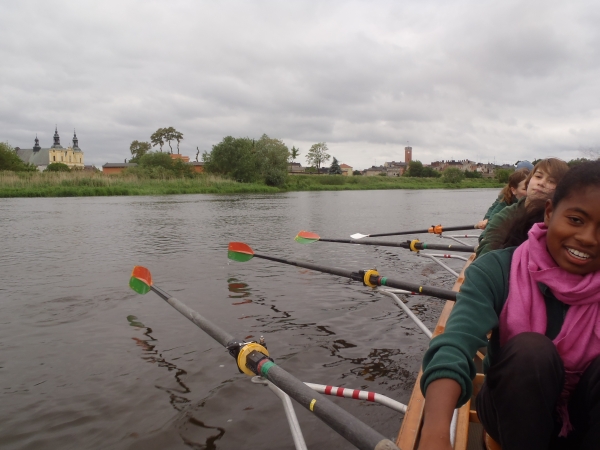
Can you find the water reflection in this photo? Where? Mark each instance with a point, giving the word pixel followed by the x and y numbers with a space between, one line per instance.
pixel 238 290
pixel 177 397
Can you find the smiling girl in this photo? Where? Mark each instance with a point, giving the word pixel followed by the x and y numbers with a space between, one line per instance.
pixel 540 186
pixel 541 301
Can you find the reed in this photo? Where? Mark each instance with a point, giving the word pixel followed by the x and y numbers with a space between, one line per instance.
pixel 78 184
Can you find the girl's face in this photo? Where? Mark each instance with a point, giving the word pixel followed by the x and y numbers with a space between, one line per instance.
pixel 541 186
pixel 520 191
pixel 573 237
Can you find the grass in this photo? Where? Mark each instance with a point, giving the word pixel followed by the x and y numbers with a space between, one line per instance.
pixel 339 183
pixel 79 184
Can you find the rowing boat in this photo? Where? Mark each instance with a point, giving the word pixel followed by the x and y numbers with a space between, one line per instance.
pixel 468 430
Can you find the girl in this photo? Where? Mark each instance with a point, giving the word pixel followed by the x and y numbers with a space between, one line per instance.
pixel 540 183
pixel 513 191
pixel 542 302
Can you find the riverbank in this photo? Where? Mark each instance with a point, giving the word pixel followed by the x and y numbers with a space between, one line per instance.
pixel 82 184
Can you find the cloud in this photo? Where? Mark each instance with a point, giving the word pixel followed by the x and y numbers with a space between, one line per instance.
pixel 505 80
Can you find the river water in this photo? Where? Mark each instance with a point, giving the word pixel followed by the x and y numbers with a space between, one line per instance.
pixel 87 363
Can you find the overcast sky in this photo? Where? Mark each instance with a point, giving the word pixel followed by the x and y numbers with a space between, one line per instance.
pixel 481 80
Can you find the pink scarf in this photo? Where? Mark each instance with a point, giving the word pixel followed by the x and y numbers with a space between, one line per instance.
pixel 578 342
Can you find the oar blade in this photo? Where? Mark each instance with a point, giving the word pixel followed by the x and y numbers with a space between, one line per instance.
pixel 358 236
pixel 141 280
pixel 306 237
pixel 239 251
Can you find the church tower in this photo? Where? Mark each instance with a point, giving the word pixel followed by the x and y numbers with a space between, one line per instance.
pixel 56 139
pixel 75 142
pixel 407 154
pixel 36 147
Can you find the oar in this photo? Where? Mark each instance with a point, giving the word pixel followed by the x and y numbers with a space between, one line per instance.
pixel 435 229
pixel 241 252
pixel 253 359
pixel 307 237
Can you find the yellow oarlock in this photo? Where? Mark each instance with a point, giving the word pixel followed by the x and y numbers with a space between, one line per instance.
pixel 412 245
pixel 367 277
pixel 245 351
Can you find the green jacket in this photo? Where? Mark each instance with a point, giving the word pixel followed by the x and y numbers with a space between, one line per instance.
pixel 496 223
pixel 477 311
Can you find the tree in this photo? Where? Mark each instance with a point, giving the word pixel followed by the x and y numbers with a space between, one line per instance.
pixel 178 136
pixel 139 149
pixel 473 174
pixel 234 158
pixel 335 168
pixel 158 138
pixel 503 174
pixel 453 175
pixel 415 169
pixel 577 161
pixel 317 155
pixel 356 172
pixel 271 160
pixel 9 160
pixel 57 167
pixel 294 153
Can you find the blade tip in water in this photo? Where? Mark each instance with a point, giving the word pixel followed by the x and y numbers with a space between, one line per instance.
pixel 359 236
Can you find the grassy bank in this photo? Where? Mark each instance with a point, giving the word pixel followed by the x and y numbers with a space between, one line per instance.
pixel 339 183
pixel 78 184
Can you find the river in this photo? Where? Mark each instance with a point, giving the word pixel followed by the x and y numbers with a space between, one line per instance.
pixel 85 363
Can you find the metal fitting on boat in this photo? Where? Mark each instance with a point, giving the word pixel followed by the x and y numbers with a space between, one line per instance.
pixel 248 364
pixel 366 276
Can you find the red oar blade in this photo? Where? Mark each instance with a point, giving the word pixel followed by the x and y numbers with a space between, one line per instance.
pixel 141 280
pixel 306 237
pixel 240 252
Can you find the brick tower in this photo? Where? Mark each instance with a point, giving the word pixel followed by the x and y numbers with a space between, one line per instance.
pixel 407 154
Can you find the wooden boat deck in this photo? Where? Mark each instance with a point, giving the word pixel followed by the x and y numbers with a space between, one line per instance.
pixel 468 430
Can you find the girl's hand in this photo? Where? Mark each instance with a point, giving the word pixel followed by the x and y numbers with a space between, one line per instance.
pixel 481 224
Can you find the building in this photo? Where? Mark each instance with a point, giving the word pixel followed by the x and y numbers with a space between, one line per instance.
pixel 114 168
pixel 407 154
pixel 295 168
pixel 374 171
pixel 41 157
pixel 346 170
pixel 395 169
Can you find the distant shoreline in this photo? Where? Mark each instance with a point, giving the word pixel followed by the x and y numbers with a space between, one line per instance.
pixel 27 184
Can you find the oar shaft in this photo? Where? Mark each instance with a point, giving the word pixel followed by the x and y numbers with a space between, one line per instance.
pixel 417 245
pixel 446 294
pixel 215 332
pixel 348 426
pixel 375 280
pixel 354 431
pixel 425 230
pixel 332 270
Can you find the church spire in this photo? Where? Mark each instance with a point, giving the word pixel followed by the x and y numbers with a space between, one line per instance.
pixel 75 141
pixel 36 147
pixel 56 139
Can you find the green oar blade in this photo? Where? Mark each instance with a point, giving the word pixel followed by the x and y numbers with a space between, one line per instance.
pixel 240 252
pixel 141 280
pixel 306 237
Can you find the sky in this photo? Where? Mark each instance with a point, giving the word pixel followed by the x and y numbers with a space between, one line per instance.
pixel 490 81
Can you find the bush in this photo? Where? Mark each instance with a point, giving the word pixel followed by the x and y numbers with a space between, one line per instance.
pixel 473 174
pixel 57 167
pixel 9 160
pixel 453 175
pixel 503 174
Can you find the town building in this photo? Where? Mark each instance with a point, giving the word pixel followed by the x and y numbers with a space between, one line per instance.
pixel 42 157
pixel 346 170
pixel 395 169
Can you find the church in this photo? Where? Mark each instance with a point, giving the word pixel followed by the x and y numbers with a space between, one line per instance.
pixel 41 157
